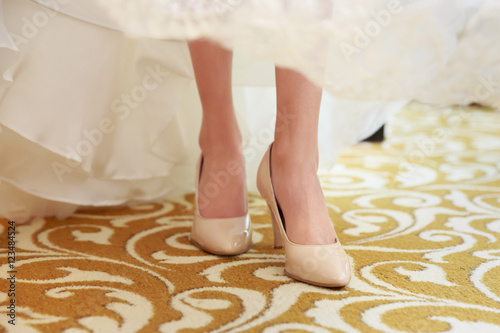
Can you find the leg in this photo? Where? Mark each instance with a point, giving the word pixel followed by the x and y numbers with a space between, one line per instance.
pixel 220 138
pixel 294 160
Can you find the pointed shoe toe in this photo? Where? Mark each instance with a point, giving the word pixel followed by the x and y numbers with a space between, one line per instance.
pixel 222 236
pixel 321 265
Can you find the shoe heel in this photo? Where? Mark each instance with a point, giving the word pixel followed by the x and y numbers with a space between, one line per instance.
pixel 278 240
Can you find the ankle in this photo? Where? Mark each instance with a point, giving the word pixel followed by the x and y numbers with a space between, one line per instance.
pixel 286 158
pixel 221 145
pixel 219 129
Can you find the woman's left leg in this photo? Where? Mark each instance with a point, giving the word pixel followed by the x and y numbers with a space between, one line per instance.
pixel 294 160
pixel 288 180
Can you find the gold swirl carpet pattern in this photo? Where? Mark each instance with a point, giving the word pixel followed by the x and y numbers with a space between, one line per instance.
pixel 419 216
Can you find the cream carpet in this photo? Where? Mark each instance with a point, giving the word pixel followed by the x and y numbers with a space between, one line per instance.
pixel 419 216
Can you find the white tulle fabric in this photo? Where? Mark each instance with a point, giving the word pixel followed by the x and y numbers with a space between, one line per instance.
pixel 363 50
pixel 93 116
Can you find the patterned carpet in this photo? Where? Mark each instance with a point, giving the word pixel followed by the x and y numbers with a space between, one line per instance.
pixel 419 217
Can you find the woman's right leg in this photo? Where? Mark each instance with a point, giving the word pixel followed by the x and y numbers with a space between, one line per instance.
pixel 222 190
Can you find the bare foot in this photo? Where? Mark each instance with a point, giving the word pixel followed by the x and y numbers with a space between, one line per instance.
pixel 222 185
pixel 300 197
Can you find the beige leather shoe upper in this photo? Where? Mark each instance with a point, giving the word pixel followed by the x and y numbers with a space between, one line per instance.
pixel 221 236
pixel 224 236
pixel 323 265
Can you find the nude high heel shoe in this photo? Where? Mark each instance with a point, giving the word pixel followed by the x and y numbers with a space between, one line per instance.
pixel 221 236
pixel 321 265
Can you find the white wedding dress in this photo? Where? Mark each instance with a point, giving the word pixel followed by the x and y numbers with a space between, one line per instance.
pixel 98 105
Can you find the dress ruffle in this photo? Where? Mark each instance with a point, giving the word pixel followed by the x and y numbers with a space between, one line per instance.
pixel 8 53
pixel 438 51
pixel 94 117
